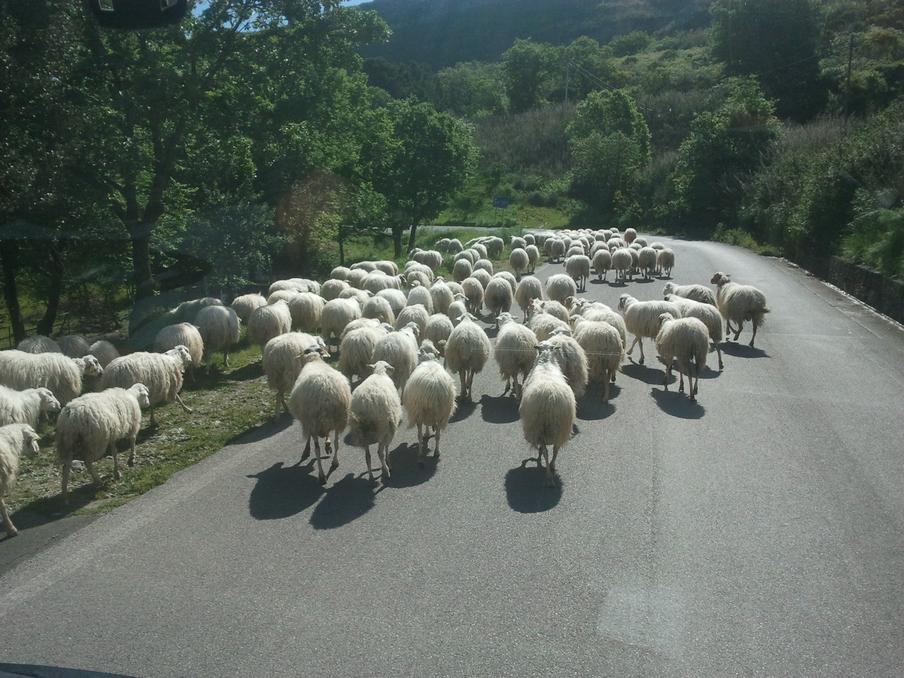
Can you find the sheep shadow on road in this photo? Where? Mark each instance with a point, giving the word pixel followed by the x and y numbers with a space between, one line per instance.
pixel 644 373
pixel 677 404
pixel 283 491
pixel 592 408
pixel 405 470
pixel 739 350
pixel 262 431
pixel 499 409
pixel 526 491
pixel 463 410
pixel 343 502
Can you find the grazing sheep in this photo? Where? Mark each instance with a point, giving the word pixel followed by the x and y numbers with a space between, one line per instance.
pixel 295 285
pixel 572 360
pixel 556 250
pixel 282 362
pixel 39 344
pixel 519 261
pixel 363 322
pixel 604 349
pixel 375 415
pixel 640 241
pixel 461 269
pixel 184 334
pixel 396 298
pixel 305 309
pixel 387 267
pixel 269 321
pixel 245 304
pixel 437 331
pixel 515 352
pixel 533 256
pixel 684 341
pixel 379 308
pixel 366 266
pixel 578 268
pixel 442 296
pixel 442 245
pixel 708 315
pixel 421 295
pixel 54 371
pixel 544 324
pixel 473 292
pixel 484 265
pixel 738 303
pixel 417 277
pixel 529 288
pixel 187 311
pixel 555 309
pixel 15 440
pixel 320 402
pixel 455 246
pixel 699 293
pixel 547 409
pixel 278 295
pixel 356 352
pixel 356 278
pixel 160 372
pixel 220 330
pixel 74 346
pixel 336 314
pixel 480 250
pixel 457 309
pixel 332 288
pixel 622 261
pixel 360 297
pixel 602 262
pixel 483 277
pixel 498 297
pixel 646 261
pixel 630 235
pixel 430 258
pixel 666 262
pixel 642 318
pixel 518 242
pixel 104 352
pixel 399 349
pixel 338 273
pixel 529 239
pixel 467 351
pixel 378 280
pixel 26 407
pixel 416 314
pixel 559 287
pixel 91 425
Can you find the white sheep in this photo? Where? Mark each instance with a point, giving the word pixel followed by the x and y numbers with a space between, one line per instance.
pixel 630 235
pixel 437 331
pixel 388 267
pixel 642 318
pixel 356 278
pixel 699 293
pixel 547 409
pixel 556 250
pixel 529 288
pixel 555 309
pixel 39 344
pixel 481 251
pixel 364 322
pixel 473 291
pixel 245 304
pixel 15 440
pixel 622 261
pixel 416 314
pixel 602 262
pixel 360 297
pixel 220 330
pixel 378 280
pixel 455 246
pixel 295 285
pixel 482 276
pixel 282 362
pixel 467 351
pixel 738 303
pixel 396 298
pixel 494 245
pixel 332 288
pixel 544 324
pixel 519 261
pixel 54 371
pixel 74 346
pixel 442 296
pixel 320 402
pixel 279 295
pixel 509 278
pixel 421 295
pixel 515 352
pixel 461 269
pixel 708 315
pixel 484 265
pixel 26 407
pixel 599 312
pixel 338 273
pixel 559 287
pixel 578 268
pixel 91 425
pixel 665 262
pixel 518 242
pixel 572 360
pixel 399 349
pixel 498 297
pixel 187 311
pixel 533 256
pixel 336 314
pixel 182 334
pixel 379 309
pixel 686 342
pixel 305 309
pixel 356 351
pixel 375 415
pixel 430 258
pixel 604 349
pixel 646 261
pixel 160 372
pixel 104 352
pixel 269 321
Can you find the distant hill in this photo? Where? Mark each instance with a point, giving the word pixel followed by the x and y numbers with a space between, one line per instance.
pixel 444 32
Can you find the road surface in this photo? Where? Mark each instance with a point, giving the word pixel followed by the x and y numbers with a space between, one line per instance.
pixel 757 533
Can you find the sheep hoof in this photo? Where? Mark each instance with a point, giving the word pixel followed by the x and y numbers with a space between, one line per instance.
pixel 322 480
pixel 334 465
pixel 750 344
pixel 640 362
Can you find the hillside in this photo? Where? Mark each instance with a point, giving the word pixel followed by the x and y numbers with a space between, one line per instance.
pixel 444 32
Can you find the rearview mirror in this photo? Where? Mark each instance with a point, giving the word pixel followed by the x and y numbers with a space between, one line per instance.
pixel 137 14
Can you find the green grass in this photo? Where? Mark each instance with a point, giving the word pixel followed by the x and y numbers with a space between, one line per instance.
pixel 741 238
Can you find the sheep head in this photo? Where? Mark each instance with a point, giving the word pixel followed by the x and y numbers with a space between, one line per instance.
pixel 141 394
pixel 668 289
pixel 720 278
pixel 181 353
pixel 664 318
pixel 30 438
pixel 624 301
pixel 381 367
pixel 89 366
pixel 49 404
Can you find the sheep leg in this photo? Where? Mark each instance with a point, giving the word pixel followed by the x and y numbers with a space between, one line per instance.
pixel 153 418
pixel 436 447
pixel 370 471
pixel 719 353
pixel 225 358
pixel 116 474
pixel 131 461
pixel 665 377
pixel 508 385
pixel 67 469
pixel 640 342
pixel 605 388
pixel 185 407
pixel 307 451
pixel 420 445
pixel 691 382
pixel 11 530
pixel 321 476
pixel 461 377
pixel 93 471
pixel 551 467
pixel 681 379
pixel 754 335
pixel 335 463
pixel 382 448
pixel 738 333
pixel 634 343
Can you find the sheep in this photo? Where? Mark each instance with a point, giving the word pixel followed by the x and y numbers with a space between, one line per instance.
pixel 282 362
pixel 483 277
pixel 498 297
pixel 555 309
pixel 279 295
pixel 442 245
pixel 640 241
pixel 602 262
pixel 103 351
pixel 430 258
pixel 220 330
pixel 559 287
pixel 708 315
pixel 466 255
pixel 74 346
pixel 295 285
pixel 571 358
pixel 657 246
pixel 360 297
pixel 547 409
pixel 54 371
pixel 320 401
pixel 421 295
pixel 338 273
pixel 455 246
pixel 515 352
pixel 573 251
pixel 533 256
pixel 509 278
pixel 599 312
pixel 461 269
pixel 336 314
pixel 622 261
pixel 91 426
pixel 467 351
pixel 331 289
pixel 416 314
pixel 417 277
pixel 26 407
pixel 184 334
pixel 187 311
pixel 356 278
pixel 518 243
pixel 378 308
pixel 635 261
pixel 245 304
pixel 39 344
pixel 630 235
pixel 481 251
pixel 666 261
pixel 646 260
pixel 529 239
pixel 396 298
pixel 495 245
pixel 399 349
pixel 375 415
pixel 578 268
pixel 529 288
pixel 388 267
pixel 738 303
pixel 366 266
pixel 604 349
pixel 437 331
pixel 519 261
pixel 473 292
pixel 699 293
pixel 363 322
pixel 544 324
pixel 686 342
pixel 378 280
pixel 457 309
pixel 305 309
pixel 485 265
pixel 269 321
pixel 642 318
pixel 454 288
pixel 15 440
pixel 556 250
pixel 160 372
pixel 356 350
pixel 441 295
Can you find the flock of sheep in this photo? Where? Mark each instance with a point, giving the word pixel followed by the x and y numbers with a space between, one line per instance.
pixel 400 336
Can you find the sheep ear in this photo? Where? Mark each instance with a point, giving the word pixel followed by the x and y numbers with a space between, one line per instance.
pixel 372 366
pixel 390 370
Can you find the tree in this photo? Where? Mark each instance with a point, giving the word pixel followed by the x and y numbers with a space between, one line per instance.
pixel 609 111
pixel 775 40
pixel 470 89
pixel 526 70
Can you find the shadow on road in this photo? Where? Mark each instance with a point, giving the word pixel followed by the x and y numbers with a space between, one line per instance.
pixel 738 350
pixel 405 471
pixel 464 410
pixel 263 431
pixel 677 404
pixel 592 408
pixel 526 491
pixel 644 373
pixel 710 372
pixel 283 491
pixel 599 282
pixel 499 409
pixel 343 502
pixel 492 331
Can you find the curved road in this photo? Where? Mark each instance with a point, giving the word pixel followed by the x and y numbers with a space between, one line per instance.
pixel 758 533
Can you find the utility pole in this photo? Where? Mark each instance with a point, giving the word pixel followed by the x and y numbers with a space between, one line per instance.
pixel 847 82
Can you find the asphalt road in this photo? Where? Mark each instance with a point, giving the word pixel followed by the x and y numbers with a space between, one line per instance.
pixel 757 533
